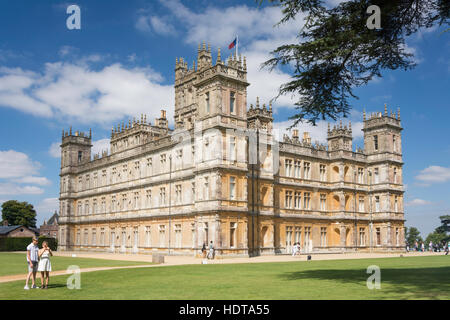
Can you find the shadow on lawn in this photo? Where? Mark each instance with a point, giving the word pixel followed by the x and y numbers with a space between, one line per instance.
pixel 415 283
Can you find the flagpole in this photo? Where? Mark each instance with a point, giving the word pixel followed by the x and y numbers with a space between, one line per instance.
pixel 237 43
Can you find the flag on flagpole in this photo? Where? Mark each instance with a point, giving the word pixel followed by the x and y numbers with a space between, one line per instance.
pixel 233 44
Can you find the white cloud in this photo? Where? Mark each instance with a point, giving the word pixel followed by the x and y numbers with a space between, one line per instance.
pixel 55 150
pixel 47 206
pixel 76 91
pixel 417 202
pixel 434 174
pixel 12 189
pixel 100 145
pixel 42 181
pixel 15 164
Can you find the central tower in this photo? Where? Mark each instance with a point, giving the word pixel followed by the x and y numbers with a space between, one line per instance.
pixel 208 90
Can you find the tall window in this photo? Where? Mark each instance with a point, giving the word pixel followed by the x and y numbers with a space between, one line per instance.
pixel 397 236
pixel 113 204
pixel 394 143
pixel 307 170
pixel 233 234
pixel 360 175
pixel 395 175
pixel 162 196
pixel 377 203
pixel 102 236
pixel 288 199
pixel 297 234
pixel 362 236
pixel 232 188
pixel 232 148
pixel 148 198
pixel 80 156
pixel 375 142
pixel 232 102
pixel 396 204
pixel 148 237
pixel 207 102
pixel 135 238
pixel 306 200
pixel 288 167
pixel 86 237
pixel 361 204
pixel 288 238
pixel 162 235
pixel 103 182
pixel 178 235
pixel 149 166
pixel 137 169
pixel 124 202
pixel 94 237
pixel 297 168
pixel 307 235
pixel 178 194
pixel 323 236
pixel 378 235
pixel 297 200
pixel 323 202
pixel 124 172
pixel 323 176
pixel 94 206
pixel 193 191
pixel 136 203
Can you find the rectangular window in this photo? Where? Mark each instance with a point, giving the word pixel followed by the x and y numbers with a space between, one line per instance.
pixel 233 234
pixel 232 148
pixel 148 198
pixel 395 175
pixel 377 203
pixel 297 169
pixel 362 236
pixel 206 189
pixel 232 188
pixel 288 167
pixel 148 237
pixel 361 204
pixel 394 143
pixel 102 236
pixel 306 200
pixel 162 235
pixel 80 156
pixel 288 199
pixel 375 142
pixel 396 204
pixel 323 236
pixel 137 169
pixel 124 202
pixel 323 172
pixel 113 204
pixel 193 191
pixel 397 237
pixel 289 239
pixel 323 202
pixel 149 166
pixel 297 200
pixel 307 170
pixel 136 200
pixel 232 101
pixel 162 196
pixel 298 235
pixel 378 234
pixel 94 237
pixel 360 175
pixel 178 235
pixel 178 194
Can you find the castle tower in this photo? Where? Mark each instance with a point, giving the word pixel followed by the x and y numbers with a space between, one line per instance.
pixel 210 90
pixel 340 137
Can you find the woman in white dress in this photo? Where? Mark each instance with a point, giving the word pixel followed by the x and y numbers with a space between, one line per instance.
pixel 44 265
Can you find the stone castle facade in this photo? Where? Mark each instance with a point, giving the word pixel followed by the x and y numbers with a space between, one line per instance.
pixel 221 176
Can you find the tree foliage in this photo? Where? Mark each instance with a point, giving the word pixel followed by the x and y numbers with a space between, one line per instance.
pixel 336 52
pixel 412 235
pixel 19 213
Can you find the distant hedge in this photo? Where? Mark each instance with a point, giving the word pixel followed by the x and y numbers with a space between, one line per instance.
pixel 21 243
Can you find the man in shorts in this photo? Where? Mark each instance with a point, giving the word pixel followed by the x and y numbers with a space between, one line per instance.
pixel 32 261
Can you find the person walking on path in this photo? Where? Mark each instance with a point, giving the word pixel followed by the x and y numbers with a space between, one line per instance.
pixel 32 262
pixel 211 251
pixel 430 246
pixel 44 265
pixel 423 247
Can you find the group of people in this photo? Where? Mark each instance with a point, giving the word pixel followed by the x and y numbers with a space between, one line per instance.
pixel 210 254
pixel 296 249
pixel 437 247
pixel 38 260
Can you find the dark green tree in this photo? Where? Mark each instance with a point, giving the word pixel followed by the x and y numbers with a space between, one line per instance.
pixel 19 213
pixel 412 235
pixel 337 52
pixel 440 234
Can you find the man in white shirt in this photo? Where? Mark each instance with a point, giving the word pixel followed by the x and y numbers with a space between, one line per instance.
pixel 32 261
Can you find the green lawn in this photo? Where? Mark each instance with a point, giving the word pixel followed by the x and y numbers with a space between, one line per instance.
pixel 12 263
pixel 401 278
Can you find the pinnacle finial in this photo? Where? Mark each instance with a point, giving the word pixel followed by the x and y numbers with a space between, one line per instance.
pixel 218 56
pixel 329 127
pixel 364 114
pixel 257 102
pixel 70 132
pixel 350 126
pixel 204 46
pixel 270 106
pixel 398 114
pixel 385 109
pixel 340 124
pixel 90 133
pixel 209 48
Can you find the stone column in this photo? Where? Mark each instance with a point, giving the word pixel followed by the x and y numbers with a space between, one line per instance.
pixel 343 234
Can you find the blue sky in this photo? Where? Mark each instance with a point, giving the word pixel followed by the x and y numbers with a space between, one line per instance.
pixel 121 64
